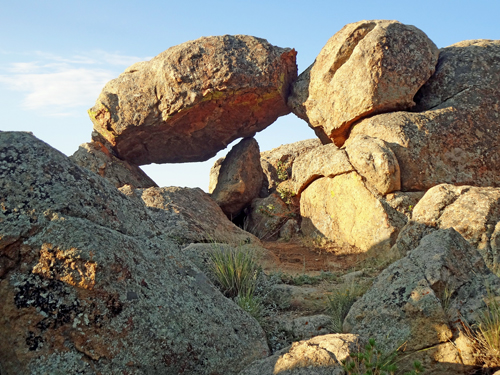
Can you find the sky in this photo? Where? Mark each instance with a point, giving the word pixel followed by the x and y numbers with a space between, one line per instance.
pixel 56 56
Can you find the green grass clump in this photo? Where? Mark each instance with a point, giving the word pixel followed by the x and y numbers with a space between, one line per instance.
pixel 340 303
pixel 236 272
pixel 373 361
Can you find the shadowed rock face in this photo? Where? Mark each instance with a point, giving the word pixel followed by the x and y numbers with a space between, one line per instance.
pixel 194 99
pixel 453 135
pixel 367 67
pixel 91 283
pixel 237 179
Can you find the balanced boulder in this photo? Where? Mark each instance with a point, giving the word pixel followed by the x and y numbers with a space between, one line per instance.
pixel 194 99
pixel 366 68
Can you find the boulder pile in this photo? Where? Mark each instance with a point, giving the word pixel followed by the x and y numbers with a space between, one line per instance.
pixel 102 271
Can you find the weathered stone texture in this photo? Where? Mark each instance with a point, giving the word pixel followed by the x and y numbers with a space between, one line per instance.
pixel 189 215
pixel 343 210
pixel 91 284
pixel 324 161
pixel 454 135
pixel 421 300
pixel 277 163
pixel 367 67
pixel 239 177
pixel 194 99
pixel 321 355
pixel 97 158
pixel 373 159
pixel 474 212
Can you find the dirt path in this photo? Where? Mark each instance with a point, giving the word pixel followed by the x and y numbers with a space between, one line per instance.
pixel 295 257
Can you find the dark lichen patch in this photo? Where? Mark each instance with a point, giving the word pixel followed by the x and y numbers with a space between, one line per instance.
pixel 33 342
pixel 50 298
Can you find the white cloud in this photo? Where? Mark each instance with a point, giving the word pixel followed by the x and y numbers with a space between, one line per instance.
pixel 53 85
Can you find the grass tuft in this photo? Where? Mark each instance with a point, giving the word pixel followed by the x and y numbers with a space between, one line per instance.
pixel 340 303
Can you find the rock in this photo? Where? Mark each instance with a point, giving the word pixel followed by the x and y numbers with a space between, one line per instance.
pixel 474 212
pixel 277 163
pixel 343 210
pixel 189 215
pixel 404 201
pixel 368 67
pixel 454 135
pixel 194 99
pixel 421 300
pixel 239 178
pixel 324 161
pixel 289 230
pixel 267 216
pixel 321 355
pixel 306 327
pixel 97 158
pixel 92 285
pixel 374 160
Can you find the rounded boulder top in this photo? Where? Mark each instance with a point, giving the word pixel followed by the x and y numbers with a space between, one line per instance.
pixel 193 99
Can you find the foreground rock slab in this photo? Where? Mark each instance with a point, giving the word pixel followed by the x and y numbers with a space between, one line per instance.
pixel 454 132
pixel 367 67
pixel 90 284
pixel 421 299
pixel 194 99
pixel 321 355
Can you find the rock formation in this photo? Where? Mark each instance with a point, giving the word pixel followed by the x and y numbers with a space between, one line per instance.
pixel 421 300
pixel 453 134
pixel 474 212
pixel 194 99
pixel 367 67
pixel 96 157
pixel 90 283
pixel 321 355
pixel 237 179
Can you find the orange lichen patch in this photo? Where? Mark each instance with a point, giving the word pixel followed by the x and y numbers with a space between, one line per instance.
pixel 62 265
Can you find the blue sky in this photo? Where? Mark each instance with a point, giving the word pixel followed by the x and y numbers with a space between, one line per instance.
pixel 55 56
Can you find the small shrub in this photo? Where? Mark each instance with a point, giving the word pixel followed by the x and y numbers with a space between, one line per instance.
pixel 281 170
pixel 235 270
pixel 286 194
pixel 340 302
pixel 373 361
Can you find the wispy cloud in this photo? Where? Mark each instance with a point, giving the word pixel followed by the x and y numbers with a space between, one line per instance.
pixel 54 85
